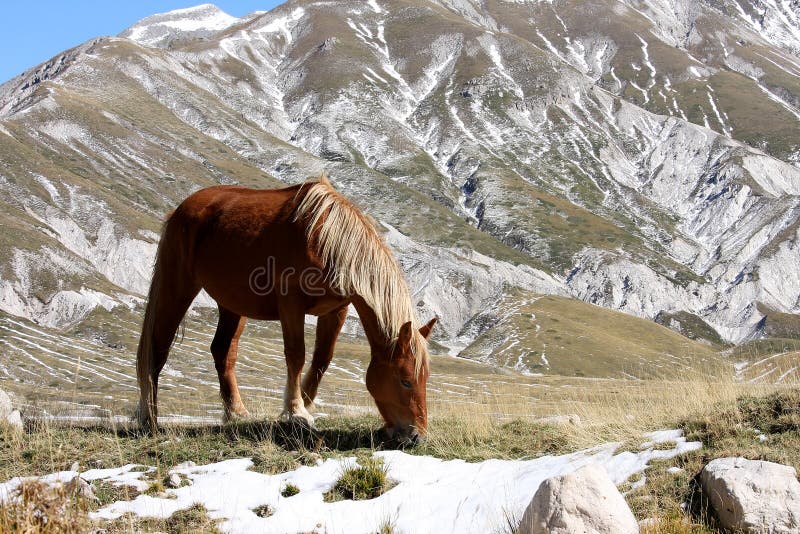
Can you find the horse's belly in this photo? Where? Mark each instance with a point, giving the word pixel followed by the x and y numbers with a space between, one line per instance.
pixel 243 301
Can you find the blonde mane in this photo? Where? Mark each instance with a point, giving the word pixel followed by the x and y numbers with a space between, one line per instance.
pixel 359 262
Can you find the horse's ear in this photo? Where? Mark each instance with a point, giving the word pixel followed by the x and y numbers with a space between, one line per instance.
pixel 404 338
pixel 426 330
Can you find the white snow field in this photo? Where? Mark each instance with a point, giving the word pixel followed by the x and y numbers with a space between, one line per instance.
pixel 430 495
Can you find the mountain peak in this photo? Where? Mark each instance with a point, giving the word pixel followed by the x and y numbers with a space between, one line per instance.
pixel 161 29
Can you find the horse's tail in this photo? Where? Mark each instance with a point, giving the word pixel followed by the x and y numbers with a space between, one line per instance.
pixel 145 355
pixel 171 293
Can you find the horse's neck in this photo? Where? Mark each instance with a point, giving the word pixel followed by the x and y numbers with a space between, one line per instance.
pixel 372 328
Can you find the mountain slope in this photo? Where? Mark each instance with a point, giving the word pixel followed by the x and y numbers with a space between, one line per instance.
pixel 505 146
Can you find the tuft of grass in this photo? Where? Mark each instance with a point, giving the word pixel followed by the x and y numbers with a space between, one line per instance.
pixel 156 488
pixel 734 430
pixel 675 524
pixel 193 519
pixel 366 481
pixel 510 523
pixel 290 490
pixel 264 510
pixel 475 440
pixel 664 446
pixel 38 507
pixel 108 493
pixel 777 413
pixel 386 526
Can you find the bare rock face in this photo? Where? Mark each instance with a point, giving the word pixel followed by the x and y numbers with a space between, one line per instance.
pixel 753 495
pixel 585 501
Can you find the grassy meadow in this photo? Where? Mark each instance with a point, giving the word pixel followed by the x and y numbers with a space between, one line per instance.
pixel 731 417
pixel 610 377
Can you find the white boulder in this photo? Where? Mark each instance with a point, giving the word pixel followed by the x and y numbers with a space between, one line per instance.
pixel 753 495
pixel 5 405
pixel 14 420
pixel 8 414
pixel 586 501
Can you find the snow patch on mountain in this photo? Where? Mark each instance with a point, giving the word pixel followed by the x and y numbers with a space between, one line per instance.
pixel 23 296
pixel 193 22
pixel 777 21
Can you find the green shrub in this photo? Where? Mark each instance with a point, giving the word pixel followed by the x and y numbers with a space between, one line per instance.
pixel 289 490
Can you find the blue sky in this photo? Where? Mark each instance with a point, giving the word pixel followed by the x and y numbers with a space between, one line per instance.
pixel 32 32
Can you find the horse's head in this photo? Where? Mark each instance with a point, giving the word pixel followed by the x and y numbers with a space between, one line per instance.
pixel 397 384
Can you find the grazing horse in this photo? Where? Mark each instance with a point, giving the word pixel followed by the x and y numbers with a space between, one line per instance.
pixel 278 255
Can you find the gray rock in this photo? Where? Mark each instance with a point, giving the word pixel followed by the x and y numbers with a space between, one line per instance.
pixel 174 480
pixel 79 487
pixel 753 495
pixel 5 405
pixel 14 420
pixel 586 501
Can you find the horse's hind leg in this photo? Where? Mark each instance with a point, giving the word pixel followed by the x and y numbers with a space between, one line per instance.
pixel 224 349
pixel 328 328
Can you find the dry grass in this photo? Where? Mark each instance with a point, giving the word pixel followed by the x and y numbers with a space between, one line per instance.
pixel 609 410
pixel 38 507
pixel 497 422
pixel 762 427
pixel 193 519
pixel 566 337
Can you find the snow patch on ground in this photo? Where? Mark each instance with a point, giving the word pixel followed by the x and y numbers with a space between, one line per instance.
pixel 431 495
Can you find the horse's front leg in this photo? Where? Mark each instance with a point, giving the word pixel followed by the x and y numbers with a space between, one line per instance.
pixel 292 323
pixel 328 328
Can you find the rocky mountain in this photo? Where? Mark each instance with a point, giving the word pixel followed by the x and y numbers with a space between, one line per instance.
pixel 643 156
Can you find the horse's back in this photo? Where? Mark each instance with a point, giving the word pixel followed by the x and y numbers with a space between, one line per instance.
pixel 270 204
pixel 231 232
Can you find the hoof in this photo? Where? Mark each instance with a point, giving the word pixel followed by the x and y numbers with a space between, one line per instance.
pixel 234 416
pixel 144 426
pixel 303 420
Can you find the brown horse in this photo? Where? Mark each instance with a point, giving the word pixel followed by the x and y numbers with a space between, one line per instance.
pixel 279 255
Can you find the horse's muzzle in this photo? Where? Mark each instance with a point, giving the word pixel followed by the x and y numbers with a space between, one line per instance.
pixel 414 438
pixel 405 437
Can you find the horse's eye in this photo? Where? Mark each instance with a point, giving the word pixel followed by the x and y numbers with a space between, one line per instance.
pixel 406 384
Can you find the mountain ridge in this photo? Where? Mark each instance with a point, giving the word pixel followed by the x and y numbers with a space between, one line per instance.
pixel 458 140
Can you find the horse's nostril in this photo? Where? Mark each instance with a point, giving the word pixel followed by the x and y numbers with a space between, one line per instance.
pixel 414 437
